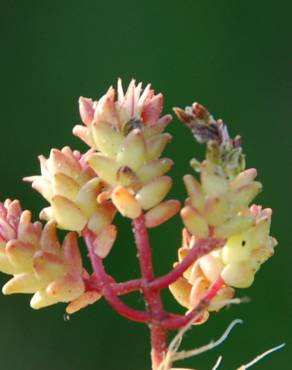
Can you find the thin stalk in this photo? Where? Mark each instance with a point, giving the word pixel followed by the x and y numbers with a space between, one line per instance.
pixel 152 296
pixel 200 248
pixel 175 323
pixel 122 288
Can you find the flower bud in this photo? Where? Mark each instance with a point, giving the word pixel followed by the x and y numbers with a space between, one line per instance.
pixel 133 150
pixel 126 202
pixel 194 222
pixel 161 213
pixel 153 192
pixel 106 138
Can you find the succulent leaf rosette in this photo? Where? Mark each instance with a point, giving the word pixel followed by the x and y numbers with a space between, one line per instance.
pixel 127 133
pixel 71 188
pixel 38 263
pixel 218 206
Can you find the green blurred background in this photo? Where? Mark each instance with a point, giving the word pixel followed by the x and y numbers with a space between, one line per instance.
pixel 234 57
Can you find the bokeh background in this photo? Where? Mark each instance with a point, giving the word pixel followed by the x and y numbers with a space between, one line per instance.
pixel 233 56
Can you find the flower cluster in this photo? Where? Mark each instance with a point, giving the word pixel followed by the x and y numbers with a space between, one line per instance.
pixel 71 188
pixel 123 172
pixel 236 263
pixel 38 263
pixel 218 206
pixel 190 288
pixel 214 207
pixel 127 134
pixel 225 238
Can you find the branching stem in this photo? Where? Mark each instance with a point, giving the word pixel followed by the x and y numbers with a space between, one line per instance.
pixel 160 321
pixel 200 248
pixel 105 285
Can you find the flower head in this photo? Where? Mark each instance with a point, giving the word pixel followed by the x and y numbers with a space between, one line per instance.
pixel 245 252
pixel 236 263
pixel 71 187
pixel 216 205
pixel 127 134
pixel 123 112
pixel 38 263
pixel 189 289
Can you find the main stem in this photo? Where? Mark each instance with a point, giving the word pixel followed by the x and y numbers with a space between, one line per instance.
pixel 151 295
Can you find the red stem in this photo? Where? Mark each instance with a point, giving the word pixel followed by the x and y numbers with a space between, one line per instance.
pixel 200 248
pixel 160 322
pixel 178 322
pixel 105 284
pixel 151 296
pixel 126 287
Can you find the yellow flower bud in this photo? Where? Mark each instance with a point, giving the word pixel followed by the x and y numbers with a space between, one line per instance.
pixel 66 288
pixel 194 222
pixel 195 192
pixel 155 145
pixel 40 300
pixel 20 255
pixel 84 300
pixel 181 291
pixel 133 150
pixel 153 192
pixel 126 202
pixel 105 167
pixel 22 283
pixel 105 240
pixel 154 169
pixel 106 138
pixel 213 182
pixel 238 274
pixel 161 213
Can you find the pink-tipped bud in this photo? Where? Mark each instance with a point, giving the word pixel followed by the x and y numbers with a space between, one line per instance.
pixel 126 202
pixel 156 144
pixel 106 138
pixel 194 222
pixel 194 190
pixel 161 213
pixel 154 192
pixel 105 167
pixel 84 300
pixel 67 214
pixel 66 288
pixel 105 240
pixel 22 283
pixel 154 169
pixel 86 110
pixel 133 150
